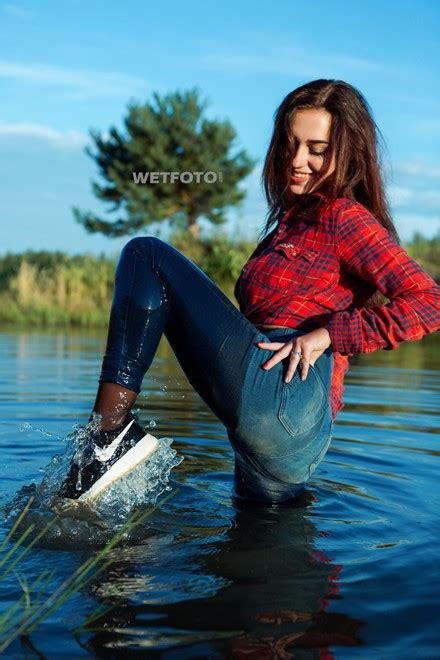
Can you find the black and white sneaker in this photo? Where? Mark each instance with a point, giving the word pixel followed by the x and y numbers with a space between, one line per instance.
pixel 115 454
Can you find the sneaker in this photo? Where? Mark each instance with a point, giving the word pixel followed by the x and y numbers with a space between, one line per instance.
pixel 115 454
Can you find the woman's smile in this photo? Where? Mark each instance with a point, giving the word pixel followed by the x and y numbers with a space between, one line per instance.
pixel 299 179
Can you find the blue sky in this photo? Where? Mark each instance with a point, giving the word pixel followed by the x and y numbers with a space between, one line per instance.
pixel 68 66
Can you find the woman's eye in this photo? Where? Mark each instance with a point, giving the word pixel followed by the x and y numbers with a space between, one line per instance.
pixel 318 153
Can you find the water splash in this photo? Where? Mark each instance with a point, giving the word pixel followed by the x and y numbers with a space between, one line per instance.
pixel 26 426
pixel 75 524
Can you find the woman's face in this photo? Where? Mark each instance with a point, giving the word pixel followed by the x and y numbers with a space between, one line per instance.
pixel 311 161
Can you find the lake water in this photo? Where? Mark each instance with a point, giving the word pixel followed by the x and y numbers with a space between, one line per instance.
pixel 351 571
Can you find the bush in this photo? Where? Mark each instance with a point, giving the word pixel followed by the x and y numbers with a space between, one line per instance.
pixel 219 257
pixel 53 288
pixel 46 288
pixel 426 251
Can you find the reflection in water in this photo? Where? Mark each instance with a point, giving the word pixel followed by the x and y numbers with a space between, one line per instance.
pixel 257 589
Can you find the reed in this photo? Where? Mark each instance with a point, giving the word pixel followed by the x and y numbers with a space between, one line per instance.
pixel 40 598
pixel 55 289
pixel 37 289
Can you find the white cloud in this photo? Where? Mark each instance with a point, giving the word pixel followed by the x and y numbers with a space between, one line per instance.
pixel 432 197
pixel 78 84
pixel 284 55
pixel 18 12
pixel 400 195
pixel 425 170
pixel 293 62
pixel 61 139
pixel 408 223
pixel 415 201
pixel 410 201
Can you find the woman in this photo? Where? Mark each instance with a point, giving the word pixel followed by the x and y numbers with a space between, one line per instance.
pixel 273 371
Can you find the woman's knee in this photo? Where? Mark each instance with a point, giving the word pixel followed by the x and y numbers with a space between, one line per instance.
pixel 137 275
pixel 142 244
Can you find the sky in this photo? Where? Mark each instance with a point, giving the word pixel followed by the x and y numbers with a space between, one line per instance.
pixel 70 66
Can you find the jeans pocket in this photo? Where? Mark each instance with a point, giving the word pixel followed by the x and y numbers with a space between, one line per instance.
pixel 303 403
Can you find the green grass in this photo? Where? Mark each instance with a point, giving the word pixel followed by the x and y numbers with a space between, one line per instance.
pixel 426 251
pixel 43 596
pixel 44 288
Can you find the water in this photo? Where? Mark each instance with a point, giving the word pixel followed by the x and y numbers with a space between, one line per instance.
pixel 350 571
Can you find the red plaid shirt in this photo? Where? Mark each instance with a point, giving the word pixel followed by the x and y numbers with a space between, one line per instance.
pixel 320 265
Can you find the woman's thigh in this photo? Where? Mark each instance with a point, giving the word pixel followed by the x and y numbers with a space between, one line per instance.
pixel 283 429
pixel 212 340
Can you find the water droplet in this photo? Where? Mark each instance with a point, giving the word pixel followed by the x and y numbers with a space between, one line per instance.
pixel 152 423
pixel 25 427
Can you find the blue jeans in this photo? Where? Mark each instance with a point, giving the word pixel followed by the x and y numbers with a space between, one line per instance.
pixel 279 431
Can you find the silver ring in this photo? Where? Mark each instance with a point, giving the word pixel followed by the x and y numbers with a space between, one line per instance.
pixel 296 353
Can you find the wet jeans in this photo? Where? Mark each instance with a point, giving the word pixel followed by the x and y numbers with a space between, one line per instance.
pixel 279 431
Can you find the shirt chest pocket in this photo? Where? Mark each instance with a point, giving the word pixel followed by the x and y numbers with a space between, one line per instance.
pixel 282 267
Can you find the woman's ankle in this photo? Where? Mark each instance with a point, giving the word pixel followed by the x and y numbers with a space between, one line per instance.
pixel 113 404
pixel 108 423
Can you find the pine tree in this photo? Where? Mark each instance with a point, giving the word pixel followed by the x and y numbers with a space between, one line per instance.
pixel 168 135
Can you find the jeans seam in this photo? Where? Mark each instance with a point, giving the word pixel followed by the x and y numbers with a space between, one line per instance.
pixel 122 354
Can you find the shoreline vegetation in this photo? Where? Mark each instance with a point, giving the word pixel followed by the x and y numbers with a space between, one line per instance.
pixel 50 289
pixel 56 289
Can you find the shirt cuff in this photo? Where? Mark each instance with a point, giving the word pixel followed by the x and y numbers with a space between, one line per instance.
pixel 345 330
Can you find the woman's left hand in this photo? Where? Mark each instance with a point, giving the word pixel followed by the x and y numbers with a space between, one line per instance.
pixel 310 346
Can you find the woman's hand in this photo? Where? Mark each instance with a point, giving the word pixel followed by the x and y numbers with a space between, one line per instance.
pixel 310 346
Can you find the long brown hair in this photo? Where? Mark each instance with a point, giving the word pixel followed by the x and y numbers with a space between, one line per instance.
pixel 354 139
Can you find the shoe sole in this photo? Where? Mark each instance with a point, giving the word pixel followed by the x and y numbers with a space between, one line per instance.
pixel 131 459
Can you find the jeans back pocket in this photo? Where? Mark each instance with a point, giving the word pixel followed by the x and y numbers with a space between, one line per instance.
pixel 303 403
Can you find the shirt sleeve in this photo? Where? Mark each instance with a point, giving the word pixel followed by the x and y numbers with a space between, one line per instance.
pixel 367 250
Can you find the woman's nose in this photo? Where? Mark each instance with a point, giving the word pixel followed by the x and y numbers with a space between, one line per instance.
pixel 299 158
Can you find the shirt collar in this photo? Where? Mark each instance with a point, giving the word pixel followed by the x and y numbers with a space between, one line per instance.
pixel 308 200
